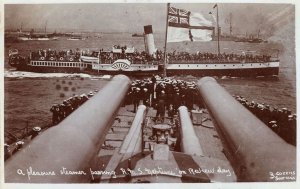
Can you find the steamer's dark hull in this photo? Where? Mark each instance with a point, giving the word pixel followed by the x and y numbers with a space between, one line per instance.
pixel 249 72
pixel 203 69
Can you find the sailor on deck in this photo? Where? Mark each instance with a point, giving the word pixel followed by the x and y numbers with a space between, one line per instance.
pixel 55 114
pixel 145 96
pixel 35 132
pixel 19 145
pixel 136 99
pixel 6 152
pixel 160 113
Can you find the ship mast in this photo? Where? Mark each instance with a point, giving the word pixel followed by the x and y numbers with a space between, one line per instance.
pixel 46 26
pixel 218 28
pixel 166 38
pixel 230 23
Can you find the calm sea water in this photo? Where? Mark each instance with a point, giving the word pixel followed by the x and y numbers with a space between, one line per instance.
pixel 28 99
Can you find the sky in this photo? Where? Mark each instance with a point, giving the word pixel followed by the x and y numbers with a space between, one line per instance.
pixel 131 17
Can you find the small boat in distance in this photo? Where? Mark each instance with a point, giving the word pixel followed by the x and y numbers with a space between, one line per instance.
pixel 76 38
pixel 36 37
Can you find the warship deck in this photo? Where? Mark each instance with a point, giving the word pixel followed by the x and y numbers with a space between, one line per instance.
pixel 213 165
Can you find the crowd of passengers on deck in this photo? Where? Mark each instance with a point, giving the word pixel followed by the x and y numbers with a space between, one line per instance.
pixel 185 57
pixel 135 57
pixel 55 55
pixel 108 57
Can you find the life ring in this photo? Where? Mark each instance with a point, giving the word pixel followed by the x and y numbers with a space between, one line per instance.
pixel 52 58
pixel 13 52
pixel 12 60
pixel 61 58
pixel 42 58
pixel 71 59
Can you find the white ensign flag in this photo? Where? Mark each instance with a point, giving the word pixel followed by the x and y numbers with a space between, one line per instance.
pixel 187 26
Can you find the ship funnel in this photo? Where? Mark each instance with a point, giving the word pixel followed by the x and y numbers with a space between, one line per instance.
pixel 149 40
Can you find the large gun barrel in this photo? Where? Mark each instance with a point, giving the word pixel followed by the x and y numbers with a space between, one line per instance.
pixel 66 153
pixel 255 151
pixel 189 141
pixel 133 141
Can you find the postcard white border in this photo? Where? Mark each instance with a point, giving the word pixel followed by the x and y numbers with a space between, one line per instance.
pixel 272 185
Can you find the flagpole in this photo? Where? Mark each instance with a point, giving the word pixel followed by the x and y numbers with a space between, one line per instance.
pixel 218 30
pixel 166 39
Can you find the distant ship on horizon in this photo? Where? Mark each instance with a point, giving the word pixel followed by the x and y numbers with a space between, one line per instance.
pixel 32 36
pixel 36 38
pixel 231 37
pixel 76 38
pixel 137 35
